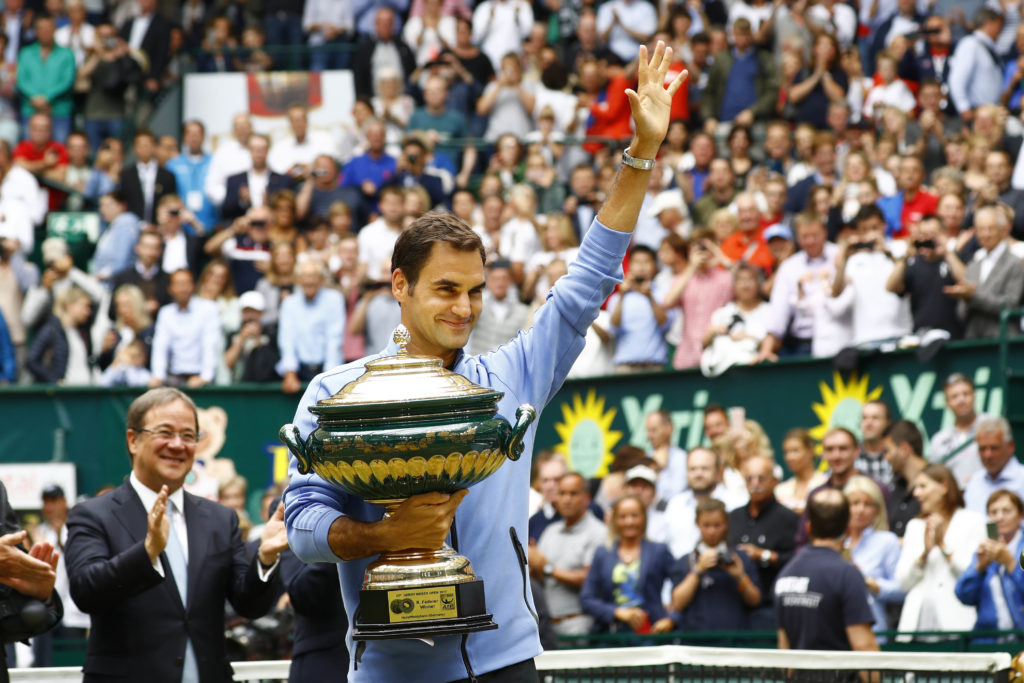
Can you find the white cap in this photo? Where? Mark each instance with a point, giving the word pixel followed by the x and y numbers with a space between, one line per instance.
pixel 252 299
pixel 642 472
pixel 668 199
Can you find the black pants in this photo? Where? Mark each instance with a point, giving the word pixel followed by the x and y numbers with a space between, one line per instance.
pixel 523 672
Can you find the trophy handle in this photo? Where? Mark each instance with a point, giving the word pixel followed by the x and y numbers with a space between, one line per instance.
pixel 525 415
pixel 289 435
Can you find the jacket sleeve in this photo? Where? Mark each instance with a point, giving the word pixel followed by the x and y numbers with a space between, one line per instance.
pixel 314 589
pixel 767 89
pixel 250 596
pixel 48 339
pixel 888 587
pixel 65 77
pixel 98 578
pixel 1008 294
pixel 908 571
pixel 594 597
pixel 968 586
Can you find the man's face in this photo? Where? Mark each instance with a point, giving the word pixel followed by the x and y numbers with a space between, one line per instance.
pixel 716 423
pixel 642 265
pixel 960 399
pixel 55 510
pixel 415 159
pixel 742 39
pixel 193 136
pixel 987 230
pixel 375 136
pixel 39 130
pixel 997 168
pixel 258 149
pixel 181 287
pixel 242 127
pixel 757 472
pixel 825 158
pixel 573 498
pixel 873 421
pixel 325 173
pixel 811 238
pixel 748 214
pixel 909 175
pixel 995 451
pixel 299 123
pixel 720 175
pixel 498 282
pixel 659 430
pixel 930 97
pixel 167 149
pixel 547 479
pixel 582 182
pixel 434 93
pixel 78 150
pixel 442 307
pixel 703 150
pixel 158 461
pixel 384 23
pixel 463 205
pixel 930 229
pixel 839 451
pixel 776 142
pixel 895 454
pixel 148 249
pixel 310 279
pixel 642 489
pixel 392 208
pixel 110 208
pixel 145 149
pixel 45 30
pixel 837 118
pixel 702 470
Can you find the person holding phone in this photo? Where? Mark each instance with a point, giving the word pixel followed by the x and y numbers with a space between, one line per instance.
pixel 639 320
pixel 994 581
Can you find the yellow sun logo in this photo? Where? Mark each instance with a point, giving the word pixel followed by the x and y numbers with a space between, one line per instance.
pixel 587 435
pixel 841 404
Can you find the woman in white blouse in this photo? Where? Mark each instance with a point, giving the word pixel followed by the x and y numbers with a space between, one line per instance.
pixel 937 549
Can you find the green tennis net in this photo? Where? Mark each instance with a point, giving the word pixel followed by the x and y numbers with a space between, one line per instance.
pixel 684 664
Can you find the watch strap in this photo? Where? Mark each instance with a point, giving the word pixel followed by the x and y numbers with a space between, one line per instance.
pixel 639 164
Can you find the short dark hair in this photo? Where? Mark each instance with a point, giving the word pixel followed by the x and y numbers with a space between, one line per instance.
pixel 996 495
pixel 118 196
pixel 413 247
pixel 193 122
pixel 844 430
pixel 880 402
pixel 144 133
pixel 643 249
pixel 829 513
pixel 867 212
pixel 714 408
pixel 905 431
pixel 710 505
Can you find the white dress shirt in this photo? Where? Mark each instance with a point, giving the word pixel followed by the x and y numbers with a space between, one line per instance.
pixel 257 182
pixel 140 25
pixel 988 260
pixel 376 244
pixel 175 253
pixel 230 158
pixel 147 178
pixel 185 341
pixel 290 152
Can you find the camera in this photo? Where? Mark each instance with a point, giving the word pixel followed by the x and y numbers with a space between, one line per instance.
pixel 724 558
pixel 638 280
pixel 258 224
pixel 174 212
pixel 110 43
pixel 412 158
pixel 924 244
pixel 862 246
pixel 318 172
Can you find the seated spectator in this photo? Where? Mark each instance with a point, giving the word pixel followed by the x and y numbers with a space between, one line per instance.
pixel 132 321
pixel 368 63
pixel 187 337
pixel 502 315
pixel 253 187
pixel 252 352
pixel 716 585
pixel 59 353
pixel 278 283
pixel 563 555
pixel 311 328
pixel 994 280
pixel 46 77
pixel 149 31
pixel 293 156
pixel 742 86
pixel 955 446
pixel 702 289
pixel 873 549
pixel 115 247
pixel 736 330
pixel 76 34
pixel 508 101
pixel 994 581
pixel 639 319
pixel 1002 469
pixel 921 275
pixel 128 368
pixel 622 590
pixel 40 153
pixel 798 451
pixel 937 547
pixel 764 530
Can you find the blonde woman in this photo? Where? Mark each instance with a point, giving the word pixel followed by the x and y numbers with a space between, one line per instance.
pixel 872 547
pixel 798 451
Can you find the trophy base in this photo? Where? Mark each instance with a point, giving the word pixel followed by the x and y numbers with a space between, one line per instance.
pixel 422 612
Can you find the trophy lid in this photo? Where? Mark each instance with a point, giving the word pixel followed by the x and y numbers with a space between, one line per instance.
pixel 405 384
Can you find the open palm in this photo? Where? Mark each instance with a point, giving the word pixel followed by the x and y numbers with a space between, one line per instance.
pixel 651 102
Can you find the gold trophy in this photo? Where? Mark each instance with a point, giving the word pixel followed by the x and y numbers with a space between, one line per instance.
pixel 408 426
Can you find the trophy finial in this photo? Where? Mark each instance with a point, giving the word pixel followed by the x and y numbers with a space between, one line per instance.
pixel 402 337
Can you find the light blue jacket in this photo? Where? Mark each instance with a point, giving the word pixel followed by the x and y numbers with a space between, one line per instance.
pixel 529 369
pixel 190 176
pixel 974 588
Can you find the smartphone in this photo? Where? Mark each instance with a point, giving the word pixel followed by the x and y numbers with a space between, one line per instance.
pixel 992 530
pixel 737 418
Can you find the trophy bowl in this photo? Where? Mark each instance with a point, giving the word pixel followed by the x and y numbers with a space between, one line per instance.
pixel 408 426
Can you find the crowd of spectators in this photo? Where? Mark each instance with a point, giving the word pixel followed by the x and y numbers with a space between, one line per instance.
pixel 834 178
pixel 694 542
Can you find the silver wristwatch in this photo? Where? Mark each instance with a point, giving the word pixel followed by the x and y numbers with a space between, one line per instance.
pixel 638 164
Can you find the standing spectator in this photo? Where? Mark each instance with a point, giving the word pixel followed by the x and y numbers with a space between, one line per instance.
pixel 412 171
pixel 60 353
pixel 187 337
pixel 975 70
pixel 716 586
pixel 746 244
pixel 16 277
pixel 639 320
pixel 330 29
pixel 282 25
pixel 625 25
pixel 736 330
pixel 742 86
pixel 311 328
pixel 386 50
pixel 17 21
pixel 563 555
pixel 955 446
pixel 937 548
pixel 548 468
pixel 181 248
pixel 703 481
pixel 150 32
pixel 507 100
pixel 253 187
pixel 875 418
pixel 703 288
pixel 77 35
pixel 998 167
pixel 764 530
pixel 59 275
pixel 293 156
pixel 603 102
pixel 502 315
pixel 903 451
pixel 114 250
pixel 798 451
pixel 278 283
pixel 437 121
pixel 994 581
pixel 822 174
pixel 500 27
pixel 907 207
pixel 377 240
pixel 230 157
pixel 41 154
pixel 145 183
pixel 623 586
pixel 46 76
pixel 364 175
pixel 1002 469
pixel 430 33
pixel 190 170
pixel 824 82
pixel 921 275
pixel 873 549
pixel 994 280
pixel 669 459
pixel 821 599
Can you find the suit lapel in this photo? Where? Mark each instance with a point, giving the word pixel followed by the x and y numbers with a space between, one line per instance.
pixel 133 517
pixel 197 523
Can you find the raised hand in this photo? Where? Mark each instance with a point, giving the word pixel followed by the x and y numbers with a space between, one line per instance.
pixel 651 102
pixel 274 538
pixel 35 572
pixel 158 524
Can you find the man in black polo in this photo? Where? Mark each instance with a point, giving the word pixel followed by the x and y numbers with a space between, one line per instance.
pixel 903 451
pixel 820 598
pixel 766 531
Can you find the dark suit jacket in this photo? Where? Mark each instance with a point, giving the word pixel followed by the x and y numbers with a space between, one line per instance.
pixel 362 63
pixel 597 597
pixel 155 288
pixel 233 206
pixel 320 618
pixel 156 44
pixel 1001 289
pixel 131 186
pixel 139 626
